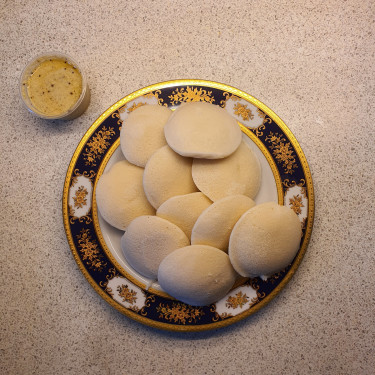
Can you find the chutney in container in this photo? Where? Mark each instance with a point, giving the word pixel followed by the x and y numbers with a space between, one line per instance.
pixel 52 86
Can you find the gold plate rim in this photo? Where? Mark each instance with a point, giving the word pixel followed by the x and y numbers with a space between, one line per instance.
pixel 309 222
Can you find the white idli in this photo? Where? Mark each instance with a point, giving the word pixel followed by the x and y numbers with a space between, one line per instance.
pixel 142 133
pixel 197 275
pixel 183 210
pixel 239 173
pixel 202 130
pixel 166 175
pixel 265 240
pixel 120 196
pixel 148 240
pixel 214 226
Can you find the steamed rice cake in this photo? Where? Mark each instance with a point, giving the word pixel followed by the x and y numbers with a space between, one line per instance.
pixel 198 275
pixel 202 130
pixel 166 175
pixel 120 196
pixel 214 226
pixel 265 240
pixel 183 210
pixel 239 173
pixel 142 133
pixel 148 240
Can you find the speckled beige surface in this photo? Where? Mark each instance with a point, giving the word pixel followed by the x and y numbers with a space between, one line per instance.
pixel 312 62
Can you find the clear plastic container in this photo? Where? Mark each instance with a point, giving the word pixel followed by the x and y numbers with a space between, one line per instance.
pixel 46 63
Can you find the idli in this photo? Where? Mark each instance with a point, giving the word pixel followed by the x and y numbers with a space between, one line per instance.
pixel 197 275
pixel 148 240
pixel 202 130
pixel 214 226
pixel 239 173
pixel 183 210
pixel 265 240
pixel 120 196
pixel 166 175
pixel 142 133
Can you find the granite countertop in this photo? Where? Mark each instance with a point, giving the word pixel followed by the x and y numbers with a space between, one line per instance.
pixel 311 62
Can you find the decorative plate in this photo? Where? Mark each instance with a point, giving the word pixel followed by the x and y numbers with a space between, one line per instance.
pixel 95 245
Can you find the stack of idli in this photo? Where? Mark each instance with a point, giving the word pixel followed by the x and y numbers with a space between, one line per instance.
pixel 185 198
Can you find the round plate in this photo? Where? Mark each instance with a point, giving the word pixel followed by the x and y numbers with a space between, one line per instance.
pixel 286 179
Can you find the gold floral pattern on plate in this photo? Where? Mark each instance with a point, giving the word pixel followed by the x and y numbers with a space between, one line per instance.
pixel 90 250
pixel 157 95
pixel 80 197
pixel 246 112
pixel 238 300
pixel 98 145
pixel 228 96
pixel 112 272
pixel 295 197
pixel 282 151
pixel 220 316
pixel 179 312
pixel 191 94
pixel 296 203
pixel 127 295
pixel 132 107
pixel 288 184
pixel 87 219
pixel 243 111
